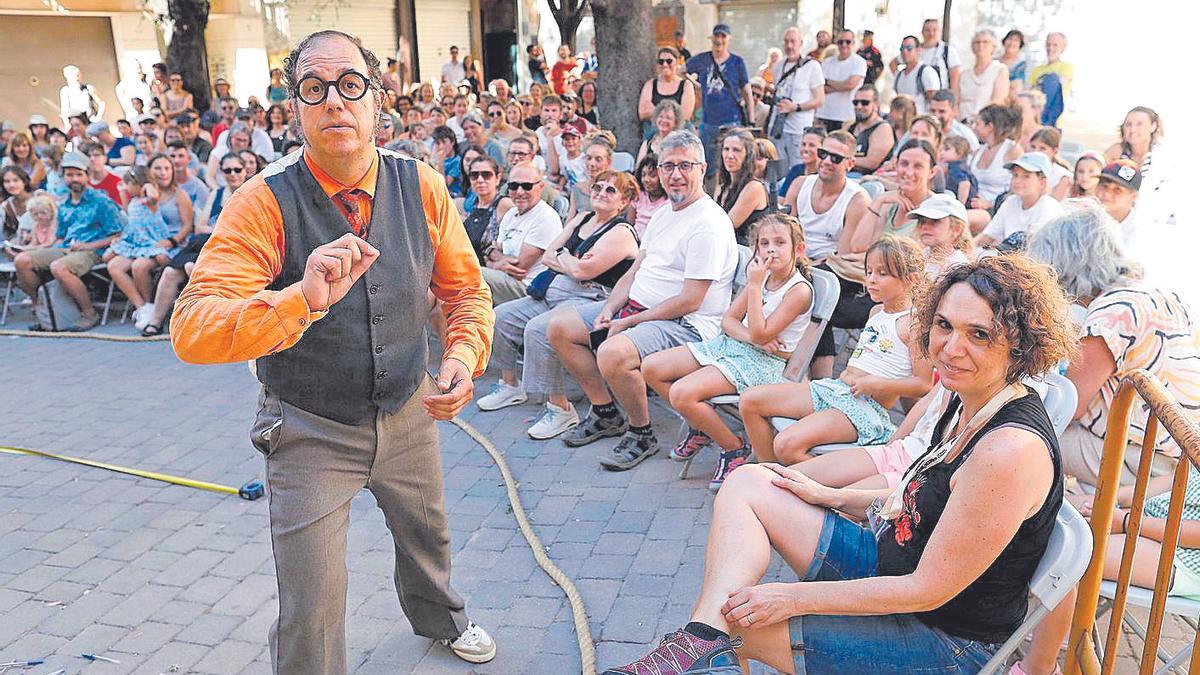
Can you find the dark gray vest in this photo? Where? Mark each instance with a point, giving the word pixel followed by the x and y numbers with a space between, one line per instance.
pixel 369 351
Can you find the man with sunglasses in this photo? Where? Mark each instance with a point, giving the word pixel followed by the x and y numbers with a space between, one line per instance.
pixel 843 76
pixel 916 80
pixel 799 91
pixel 874 137
pixel 523 236
pixel 319 270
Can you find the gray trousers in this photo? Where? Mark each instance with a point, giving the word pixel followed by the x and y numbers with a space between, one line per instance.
pixel 314 467
pixel 504 288
pixel 522 323
pixel 788 147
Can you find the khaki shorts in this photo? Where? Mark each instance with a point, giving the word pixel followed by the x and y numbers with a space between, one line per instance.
pixel 78 263
pixel 1082 451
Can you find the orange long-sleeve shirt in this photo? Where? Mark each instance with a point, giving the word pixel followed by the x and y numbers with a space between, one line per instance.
pixel 226 314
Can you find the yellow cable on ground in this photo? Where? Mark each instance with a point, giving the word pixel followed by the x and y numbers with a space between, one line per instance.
pixel 103 337
pixel 166 478
pixel 587 652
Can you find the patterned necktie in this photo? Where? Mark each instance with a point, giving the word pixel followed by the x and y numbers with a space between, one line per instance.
pixel 349 201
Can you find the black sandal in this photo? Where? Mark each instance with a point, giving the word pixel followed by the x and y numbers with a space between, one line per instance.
pixel 151 331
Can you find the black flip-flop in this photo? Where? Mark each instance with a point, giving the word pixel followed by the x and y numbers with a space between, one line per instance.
pixel 151 331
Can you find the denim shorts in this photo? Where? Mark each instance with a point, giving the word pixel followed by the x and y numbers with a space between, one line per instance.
pixel 895 643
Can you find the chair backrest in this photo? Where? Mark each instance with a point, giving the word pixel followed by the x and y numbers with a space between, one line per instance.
pixel 1066 557
pixel 739 276
pixel 622 161
pixel 873 187
pixel 826 290
pixel 1060 401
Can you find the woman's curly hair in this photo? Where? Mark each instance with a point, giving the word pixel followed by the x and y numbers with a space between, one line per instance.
pixel 1029 310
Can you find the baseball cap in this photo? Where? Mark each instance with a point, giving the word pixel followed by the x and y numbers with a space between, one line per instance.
pixel 220 80
pixel 939 206
pixel 722 29
pixel 38 119
pixel 571 130
pixel 185 118
pixel 1032 161
pixel 6 126
pixel 75 160
pixel 1123 172
pixel 244 113
pixel 143 118
pixel 96 128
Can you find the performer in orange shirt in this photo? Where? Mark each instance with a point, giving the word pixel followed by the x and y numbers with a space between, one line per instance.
pixel 319 270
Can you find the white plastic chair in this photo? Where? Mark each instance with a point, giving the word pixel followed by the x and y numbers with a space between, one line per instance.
pixel 622 161
pixel 1185 609
pixel 9 271
pixel 826 290
pixel 1062 566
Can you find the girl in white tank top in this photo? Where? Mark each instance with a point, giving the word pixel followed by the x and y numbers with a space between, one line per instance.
pixel 884 366
pixel 761 329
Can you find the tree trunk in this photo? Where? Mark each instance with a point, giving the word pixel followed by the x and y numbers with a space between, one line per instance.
pixel 568 14
pixel 946 22
pixel 187 53
pixel 839 17
pixel 625 52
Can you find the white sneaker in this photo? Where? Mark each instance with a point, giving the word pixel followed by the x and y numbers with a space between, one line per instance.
pixel 473 646
pixel 502 396
pixel 142 316
pixel 554 421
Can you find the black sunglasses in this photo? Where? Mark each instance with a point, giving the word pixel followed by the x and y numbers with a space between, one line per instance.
pixel 862 101
pixel 666 62
pixel 481 174
pixel 496 113
pixel 351 86
pixel 513 186
pixel 231 169
pixel 822 153
pixel 845 42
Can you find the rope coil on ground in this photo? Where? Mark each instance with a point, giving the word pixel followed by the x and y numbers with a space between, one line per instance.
pixel 587 651
pixel 103 337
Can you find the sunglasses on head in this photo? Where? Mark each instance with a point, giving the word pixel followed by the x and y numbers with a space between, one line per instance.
pixel 822 153
pixel 602 187
pixel 513 186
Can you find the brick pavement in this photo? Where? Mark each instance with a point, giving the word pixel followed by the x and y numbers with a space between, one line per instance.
pixel 171 579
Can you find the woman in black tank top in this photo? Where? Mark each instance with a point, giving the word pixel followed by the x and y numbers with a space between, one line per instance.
pixel 938 574
pixel 667 85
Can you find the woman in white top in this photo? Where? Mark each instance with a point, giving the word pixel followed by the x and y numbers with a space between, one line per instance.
pixel 995 127
pixel 760 330
pixel 985 83
pixel 885 366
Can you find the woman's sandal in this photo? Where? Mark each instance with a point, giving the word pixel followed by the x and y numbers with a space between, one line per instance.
pixel 151 330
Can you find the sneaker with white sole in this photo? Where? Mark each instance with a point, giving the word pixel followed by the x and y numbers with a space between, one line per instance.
pixel 142 316
pixel 473 646
pixel 554 421
pixel 502 396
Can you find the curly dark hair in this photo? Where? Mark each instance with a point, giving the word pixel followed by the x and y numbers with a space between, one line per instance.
pixel 1029 310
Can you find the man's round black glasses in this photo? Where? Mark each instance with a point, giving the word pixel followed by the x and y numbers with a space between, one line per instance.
pixel 351 86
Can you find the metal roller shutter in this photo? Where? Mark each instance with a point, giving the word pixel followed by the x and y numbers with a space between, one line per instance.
pixel 372 21
pixel 441 23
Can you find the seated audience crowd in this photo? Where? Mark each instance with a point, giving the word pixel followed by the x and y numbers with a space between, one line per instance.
pixel 974 248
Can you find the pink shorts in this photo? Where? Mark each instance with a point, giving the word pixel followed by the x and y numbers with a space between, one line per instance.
pixel 891 460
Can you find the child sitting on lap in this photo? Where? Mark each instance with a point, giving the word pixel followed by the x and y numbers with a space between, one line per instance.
pixel 759 332
pixel 884 366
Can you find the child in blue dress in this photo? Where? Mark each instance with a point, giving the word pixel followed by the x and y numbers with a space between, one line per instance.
pixel 145 235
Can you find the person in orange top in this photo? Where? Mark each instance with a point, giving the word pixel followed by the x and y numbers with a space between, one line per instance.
pixel 318 269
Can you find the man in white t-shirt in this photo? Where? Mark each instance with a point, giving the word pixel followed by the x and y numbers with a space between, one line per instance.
pixel 453 70
pixel 676 292
pixel 523 236
pixel 916 80
pixel 1027 206
pixel 940 55
pixel 843 76
pixel 799 91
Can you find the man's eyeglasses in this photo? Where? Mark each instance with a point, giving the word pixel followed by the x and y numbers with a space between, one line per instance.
pixel 666 62
pixel 486 175
pixel 844 42
pixel 231 170
pixel 609 190
pixel 351 86
pixel 668 168
pixel 822 153
pixel 863 101
pixel 513 186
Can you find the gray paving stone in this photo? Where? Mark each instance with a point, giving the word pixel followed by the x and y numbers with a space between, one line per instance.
pixel 210 629
pixel 230 656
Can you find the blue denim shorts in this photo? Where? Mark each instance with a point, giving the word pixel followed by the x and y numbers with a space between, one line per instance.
pixel 894 643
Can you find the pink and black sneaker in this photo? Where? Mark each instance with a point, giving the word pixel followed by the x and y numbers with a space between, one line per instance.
pixel 729 461
pixel 685 652
pixel 692 443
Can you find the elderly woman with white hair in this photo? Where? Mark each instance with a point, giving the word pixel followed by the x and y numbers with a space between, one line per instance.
pixel 1127 325
pixel 987 81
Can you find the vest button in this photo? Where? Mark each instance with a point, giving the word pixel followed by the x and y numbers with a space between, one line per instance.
pixel 381 374
pixel 303 321
pixel 379 349
pixel 377 319
pixel 373 289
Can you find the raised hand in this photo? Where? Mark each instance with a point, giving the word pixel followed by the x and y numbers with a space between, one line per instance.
pixel 333 268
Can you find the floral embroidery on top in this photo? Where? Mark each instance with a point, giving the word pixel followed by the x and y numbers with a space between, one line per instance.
pixel 909 517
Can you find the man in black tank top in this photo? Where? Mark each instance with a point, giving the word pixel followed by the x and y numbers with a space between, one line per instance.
pixel 873 135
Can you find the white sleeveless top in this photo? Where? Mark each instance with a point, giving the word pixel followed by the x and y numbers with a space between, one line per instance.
pixel 791 334
pixel 993 179
pixel 822 230
pixel 977 89
pixel 880 350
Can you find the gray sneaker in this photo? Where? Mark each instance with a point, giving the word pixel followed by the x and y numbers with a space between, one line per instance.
pixel 631 451
pixel 593 428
